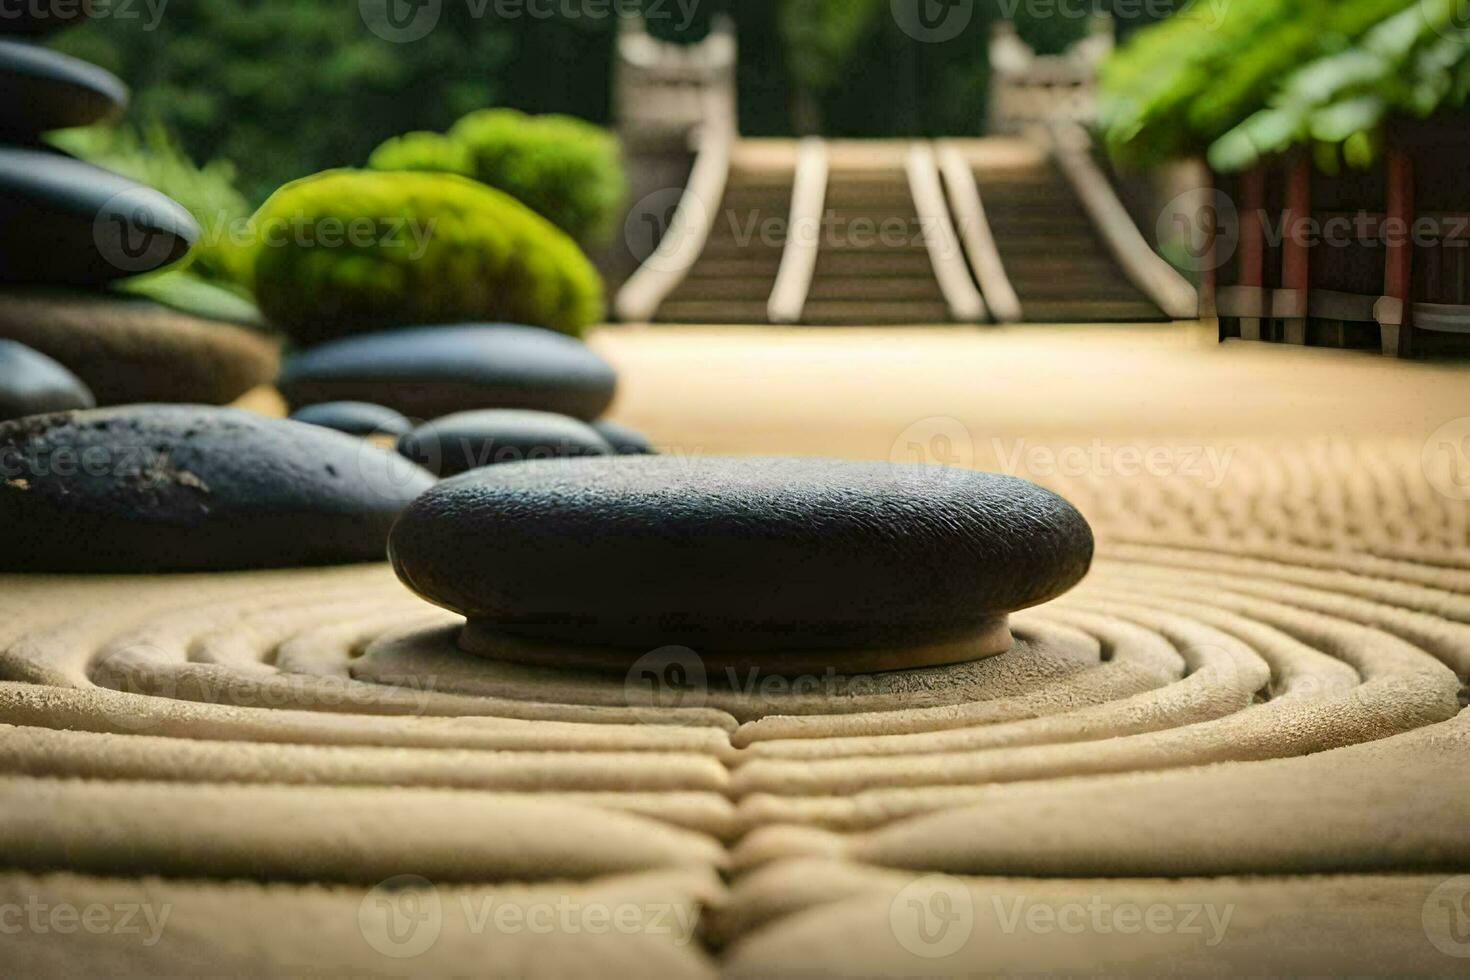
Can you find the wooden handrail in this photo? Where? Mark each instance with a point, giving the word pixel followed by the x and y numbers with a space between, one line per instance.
pixel 803 234
pixel 689 228
pixel 974 229
pixel 1155 278
pixel 960 295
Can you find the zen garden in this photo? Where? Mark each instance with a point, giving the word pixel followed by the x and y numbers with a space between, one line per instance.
pixel 734 489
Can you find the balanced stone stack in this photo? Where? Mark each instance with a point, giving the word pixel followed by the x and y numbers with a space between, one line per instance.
pixel 70 231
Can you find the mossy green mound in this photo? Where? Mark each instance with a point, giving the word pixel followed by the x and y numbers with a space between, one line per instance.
pixel 347 251
pixel 567 170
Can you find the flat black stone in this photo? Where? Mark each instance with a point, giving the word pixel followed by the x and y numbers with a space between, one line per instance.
pixel 736 553
pixel 431 371
pixel 32 383
pixel 355 418
pixel 469 440
pixel 46 90
pixel 65 222
pixel 624 440
pixel 154 488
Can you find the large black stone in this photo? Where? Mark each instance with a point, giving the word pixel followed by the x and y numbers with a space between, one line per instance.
pixel 154 488
pixel 46 90
pixel 32 383
pixel 732 554
pixel 355 419
pixel 65 222
pixel 489 437
pixel 427 372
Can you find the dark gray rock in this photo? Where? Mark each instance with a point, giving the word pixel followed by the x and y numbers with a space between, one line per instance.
pixel 624 440
pixel 355 419
pixel 738 554
pixel 46 90
pixel 65 222
pixel 428 372
pixel 153 488
pixel 32 383
pixel 468 440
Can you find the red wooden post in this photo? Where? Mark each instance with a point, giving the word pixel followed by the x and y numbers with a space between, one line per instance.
pixel 1296 227
pixel 1393 311
pixel 1251 251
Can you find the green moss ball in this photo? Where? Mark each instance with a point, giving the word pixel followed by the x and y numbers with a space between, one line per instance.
pixel 348 251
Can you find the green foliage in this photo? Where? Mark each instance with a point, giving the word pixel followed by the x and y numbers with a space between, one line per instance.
pixel 346 251
pixel 1254 77
pixel 566 170
pixel 285 88
pixel 423 150
pixel 156 159
pixel 821 37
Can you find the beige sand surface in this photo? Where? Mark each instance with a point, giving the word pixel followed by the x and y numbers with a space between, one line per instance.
pixel 1263 675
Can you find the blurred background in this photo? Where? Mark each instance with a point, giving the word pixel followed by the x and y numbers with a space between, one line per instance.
pixel 271 90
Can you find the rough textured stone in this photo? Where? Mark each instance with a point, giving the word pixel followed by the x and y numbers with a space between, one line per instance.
pixel 732 553
pixel 182 488
pixel 134 350
pixel 32 383
pixel 624 440
pixel 47 90
pixel 469 440
pixel 428 372
pixel 355 418
pixel 65 222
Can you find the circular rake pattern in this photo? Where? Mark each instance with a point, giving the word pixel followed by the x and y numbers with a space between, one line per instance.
pixel 1207 703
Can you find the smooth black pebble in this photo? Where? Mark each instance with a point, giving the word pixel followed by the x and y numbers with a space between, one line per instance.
pixel 428 372
pixel 490 437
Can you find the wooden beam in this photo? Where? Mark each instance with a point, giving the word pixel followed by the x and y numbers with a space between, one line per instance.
pixel 1296 229
pixel 1396 309
pixel 1251 251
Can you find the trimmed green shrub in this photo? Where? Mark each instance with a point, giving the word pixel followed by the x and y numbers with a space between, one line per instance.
pixel 567 170
pixel 347 251
pixel 423 151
